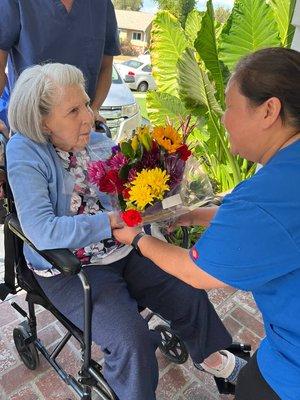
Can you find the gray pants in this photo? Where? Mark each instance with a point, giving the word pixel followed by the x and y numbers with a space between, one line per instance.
pixel 121 332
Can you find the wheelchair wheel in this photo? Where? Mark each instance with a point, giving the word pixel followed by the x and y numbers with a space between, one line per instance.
pixel 27 352
pixel 171 345
pixel 98 394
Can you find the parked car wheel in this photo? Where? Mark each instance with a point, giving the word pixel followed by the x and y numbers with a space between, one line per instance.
pixel 143 87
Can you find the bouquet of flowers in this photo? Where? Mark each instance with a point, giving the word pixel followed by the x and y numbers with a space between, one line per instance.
pixel 153 176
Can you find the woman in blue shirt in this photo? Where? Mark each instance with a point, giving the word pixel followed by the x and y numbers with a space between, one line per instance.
pixel 253 239
pixel 58 207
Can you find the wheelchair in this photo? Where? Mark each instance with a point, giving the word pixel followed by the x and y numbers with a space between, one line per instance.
pixel 90 383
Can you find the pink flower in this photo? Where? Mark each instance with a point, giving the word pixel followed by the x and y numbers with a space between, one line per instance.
pixel 117 161
pixel 96 171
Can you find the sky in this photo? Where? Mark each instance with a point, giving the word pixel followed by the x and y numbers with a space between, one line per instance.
pixel 150 6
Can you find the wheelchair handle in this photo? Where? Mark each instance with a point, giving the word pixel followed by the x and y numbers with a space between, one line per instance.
pixel 103 128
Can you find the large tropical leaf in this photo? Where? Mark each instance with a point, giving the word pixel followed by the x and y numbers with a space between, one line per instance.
pixel 206 46
pixel 283 12
pixel 195 88
pixel 168 41
pixel 193 25
pixel 250 27
pixel 163 106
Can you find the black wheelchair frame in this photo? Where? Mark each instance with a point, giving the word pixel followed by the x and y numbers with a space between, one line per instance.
pixel 91 384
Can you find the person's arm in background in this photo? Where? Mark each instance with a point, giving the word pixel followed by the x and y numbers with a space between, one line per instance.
pixel 103 85
pixel 201 216
pixel 3 78
pixel 111 49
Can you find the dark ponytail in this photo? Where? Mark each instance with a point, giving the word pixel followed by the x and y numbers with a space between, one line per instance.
pixel 272 72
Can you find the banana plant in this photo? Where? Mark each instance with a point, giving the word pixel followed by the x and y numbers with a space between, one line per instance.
pixel 191 67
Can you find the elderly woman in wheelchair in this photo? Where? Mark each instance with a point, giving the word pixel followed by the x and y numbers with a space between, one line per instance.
pixel 59 208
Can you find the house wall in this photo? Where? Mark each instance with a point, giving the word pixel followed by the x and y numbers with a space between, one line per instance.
pixel 139 45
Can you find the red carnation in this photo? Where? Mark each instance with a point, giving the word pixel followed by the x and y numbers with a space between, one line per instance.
pixel 111 183
pixel 131 217
pixel 184 152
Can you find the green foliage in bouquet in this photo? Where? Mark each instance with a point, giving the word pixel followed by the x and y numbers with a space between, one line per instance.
pixel 191 67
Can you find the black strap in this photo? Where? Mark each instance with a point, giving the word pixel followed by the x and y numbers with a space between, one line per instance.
pixel 134 243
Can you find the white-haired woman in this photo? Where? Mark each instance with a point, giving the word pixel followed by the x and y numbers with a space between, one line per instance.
pixel 59 208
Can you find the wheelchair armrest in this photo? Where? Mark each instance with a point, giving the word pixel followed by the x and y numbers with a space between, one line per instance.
pixel 62 259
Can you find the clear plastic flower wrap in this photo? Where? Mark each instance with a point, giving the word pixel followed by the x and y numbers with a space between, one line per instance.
pixel 153 176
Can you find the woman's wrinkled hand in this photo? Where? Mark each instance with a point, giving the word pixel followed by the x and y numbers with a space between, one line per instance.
pixel 115 220
pixel 126 235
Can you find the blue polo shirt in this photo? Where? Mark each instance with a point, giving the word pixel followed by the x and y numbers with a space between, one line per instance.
pixel 253 243
pixel 39 31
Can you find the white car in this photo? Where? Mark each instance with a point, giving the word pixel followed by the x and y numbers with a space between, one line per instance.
pixel 137 75
pixel 145 58
pixel 120 109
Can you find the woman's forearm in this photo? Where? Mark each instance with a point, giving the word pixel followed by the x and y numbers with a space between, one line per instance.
pixel 177 262
pixel 203 216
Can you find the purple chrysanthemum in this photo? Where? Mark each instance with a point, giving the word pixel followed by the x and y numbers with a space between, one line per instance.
pixel 175 167
pixel 150 159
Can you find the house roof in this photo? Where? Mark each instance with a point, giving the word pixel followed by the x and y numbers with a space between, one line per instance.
pixel 133 20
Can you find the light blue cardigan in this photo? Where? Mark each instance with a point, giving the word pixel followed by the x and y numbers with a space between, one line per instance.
pixel 42 190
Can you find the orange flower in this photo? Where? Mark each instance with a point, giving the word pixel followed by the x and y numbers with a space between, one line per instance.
pixel 167 137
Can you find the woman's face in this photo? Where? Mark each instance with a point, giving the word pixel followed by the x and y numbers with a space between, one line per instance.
pixel 70 120
pixel 242 122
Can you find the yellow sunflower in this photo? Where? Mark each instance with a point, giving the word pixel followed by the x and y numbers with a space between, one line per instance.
pixel 167 137
pixel 149 185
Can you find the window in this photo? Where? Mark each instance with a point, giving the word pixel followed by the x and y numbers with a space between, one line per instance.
pixel 147 68
pixel 115 76
pixel 132 63
pixel 137 35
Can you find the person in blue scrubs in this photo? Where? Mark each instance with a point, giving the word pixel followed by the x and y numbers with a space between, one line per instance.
pixel 253 239
pixel 79 32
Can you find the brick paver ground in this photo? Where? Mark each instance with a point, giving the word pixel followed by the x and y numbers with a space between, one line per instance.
pixel 177 382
